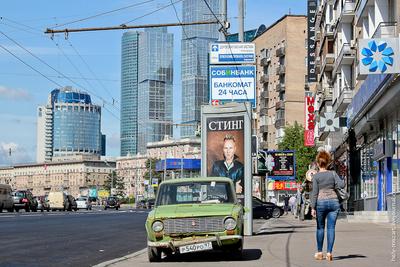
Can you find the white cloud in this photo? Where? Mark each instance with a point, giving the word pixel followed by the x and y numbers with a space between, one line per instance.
pixel 14 94
pixel 12 153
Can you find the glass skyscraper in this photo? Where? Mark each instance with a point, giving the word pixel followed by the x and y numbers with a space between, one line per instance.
pixel 146 91
pixel 194 63
pixel 68 125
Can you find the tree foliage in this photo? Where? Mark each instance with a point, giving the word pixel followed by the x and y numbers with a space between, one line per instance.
pixel 151 169
pixel 294 140
pixel 118 182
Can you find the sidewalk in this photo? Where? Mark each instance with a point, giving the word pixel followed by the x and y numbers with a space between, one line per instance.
pixel 288 242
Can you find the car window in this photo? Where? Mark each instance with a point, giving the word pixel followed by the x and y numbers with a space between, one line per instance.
pixel 257 202
pixel 195 192
pixel 19 194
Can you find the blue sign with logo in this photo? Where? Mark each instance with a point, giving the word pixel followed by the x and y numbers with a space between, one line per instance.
pixel 235 83
pixel 232 53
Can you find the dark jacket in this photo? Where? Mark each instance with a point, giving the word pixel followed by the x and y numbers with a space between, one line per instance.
pixel 236 173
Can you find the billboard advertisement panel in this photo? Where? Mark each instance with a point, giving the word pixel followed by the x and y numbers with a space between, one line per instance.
pixel 309 109
pixel 234 53
pixel 233 83
pixel 279 165
pixel 225 149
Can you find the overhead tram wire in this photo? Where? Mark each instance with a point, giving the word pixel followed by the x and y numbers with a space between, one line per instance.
pixel 91 71
pixel 30 66
pixel 230 48
pixel 183 27
pixel 45 63
pixel 102 14
pixel 152 12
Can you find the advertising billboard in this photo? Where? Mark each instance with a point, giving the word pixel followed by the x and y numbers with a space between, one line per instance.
pixel 232 53
pixel 226 150
pixel 233 83
pixel 311 11
pixel 309 109
pixel 279 165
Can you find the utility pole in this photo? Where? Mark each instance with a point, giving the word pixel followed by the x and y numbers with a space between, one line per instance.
pixel 224 10
pixel 241 20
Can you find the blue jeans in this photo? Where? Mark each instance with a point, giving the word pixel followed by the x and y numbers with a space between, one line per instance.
pixel 327 209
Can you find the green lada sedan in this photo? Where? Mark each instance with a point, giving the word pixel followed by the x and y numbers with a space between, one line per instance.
pixel 195 214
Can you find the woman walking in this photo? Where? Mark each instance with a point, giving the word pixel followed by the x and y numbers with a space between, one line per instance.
pixel 325 204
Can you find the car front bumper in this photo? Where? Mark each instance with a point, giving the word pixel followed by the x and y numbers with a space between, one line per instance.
pixel 173 244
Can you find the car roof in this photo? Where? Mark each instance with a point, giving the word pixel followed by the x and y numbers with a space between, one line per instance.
pixel 198 179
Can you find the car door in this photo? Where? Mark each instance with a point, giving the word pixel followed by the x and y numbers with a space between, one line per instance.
pixel 258 209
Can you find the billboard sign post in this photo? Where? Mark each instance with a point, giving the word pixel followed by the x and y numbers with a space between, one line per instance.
pixel 226 141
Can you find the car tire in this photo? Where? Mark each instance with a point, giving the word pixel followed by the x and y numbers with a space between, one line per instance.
pixel 27 209
pixel 10 209
pixel 105 208
pixel 1 208
pixel 16 209
pixel 116 208
pixel 154 254
pixel 276 213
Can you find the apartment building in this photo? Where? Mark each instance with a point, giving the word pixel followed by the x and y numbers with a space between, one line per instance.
pixel 356 82
pixel 132 169
pixel 281 69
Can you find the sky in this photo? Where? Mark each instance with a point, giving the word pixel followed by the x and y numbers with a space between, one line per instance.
pixel 33 63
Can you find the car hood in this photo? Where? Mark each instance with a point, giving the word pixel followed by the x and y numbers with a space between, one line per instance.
pixel 193 210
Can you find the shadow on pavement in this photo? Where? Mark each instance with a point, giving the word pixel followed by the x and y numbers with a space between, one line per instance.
pixel 275 232
pixel 214 256
pixel 351 256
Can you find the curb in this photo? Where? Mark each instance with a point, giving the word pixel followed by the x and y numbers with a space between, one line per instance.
pixel 127 257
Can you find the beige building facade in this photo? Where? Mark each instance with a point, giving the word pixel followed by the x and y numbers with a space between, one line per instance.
pixel 132 169
pixel 73 176
pixel 281 70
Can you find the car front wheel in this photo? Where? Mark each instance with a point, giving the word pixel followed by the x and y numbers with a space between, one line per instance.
pixel 276 213
pixel 154 254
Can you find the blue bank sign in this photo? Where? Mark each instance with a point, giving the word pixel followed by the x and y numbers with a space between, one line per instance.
pixel 233 83
pixel 232 53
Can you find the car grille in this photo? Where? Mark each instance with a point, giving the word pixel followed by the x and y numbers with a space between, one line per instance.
pixel 194 225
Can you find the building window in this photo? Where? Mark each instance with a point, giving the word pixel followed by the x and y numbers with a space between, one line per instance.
pixel 369 172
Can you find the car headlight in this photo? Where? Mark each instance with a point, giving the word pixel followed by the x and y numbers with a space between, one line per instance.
pixel 157 226
pixel 229 223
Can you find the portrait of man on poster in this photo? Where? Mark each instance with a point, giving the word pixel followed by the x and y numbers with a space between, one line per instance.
pixel 230 166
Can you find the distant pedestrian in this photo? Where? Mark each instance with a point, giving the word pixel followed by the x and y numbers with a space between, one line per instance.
pixel 274 200
pixel 286 202
pixel 325 204
pixel 292 204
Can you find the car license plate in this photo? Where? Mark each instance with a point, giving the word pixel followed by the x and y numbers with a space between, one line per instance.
pixel 195 247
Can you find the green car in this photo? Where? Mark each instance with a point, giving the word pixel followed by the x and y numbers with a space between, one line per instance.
pixel 195 214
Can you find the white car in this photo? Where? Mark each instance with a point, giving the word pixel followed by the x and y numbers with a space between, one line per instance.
pixel 83 203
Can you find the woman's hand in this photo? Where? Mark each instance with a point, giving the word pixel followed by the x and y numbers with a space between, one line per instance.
pixel 314 213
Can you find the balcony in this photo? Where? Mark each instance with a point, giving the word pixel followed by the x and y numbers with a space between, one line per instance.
pixel 385 30
pixel 264 94
pixel 280 52
pixel 327 62
pixel 265 61
pixel 344 99
pixel 263 128
pixel 326 96
pixel 264 145
pixel 279 123
pixel 281 69
pixel 328 30
pixel 347 14
pixel 280 87
pixel 280 105
pixel 264 78
pixel 263 111
pixel 346 57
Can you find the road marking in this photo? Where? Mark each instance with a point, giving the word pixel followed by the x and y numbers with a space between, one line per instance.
pixel 7 216
pixel 127 257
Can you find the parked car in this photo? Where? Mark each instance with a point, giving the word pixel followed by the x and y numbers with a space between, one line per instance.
pixel 195 214
pixel 72 205
pixel 6 199
pixel 112 202
pixel 150 203
pixel 83 203
pixel 58 200
pixel 265 210
pixel 43 203
pixel 141 204
pixel 23 199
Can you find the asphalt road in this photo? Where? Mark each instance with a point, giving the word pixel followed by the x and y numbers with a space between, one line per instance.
pixel 82 238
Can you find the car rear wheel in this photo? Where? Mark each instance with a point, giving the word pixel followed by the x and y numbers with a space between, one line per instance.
pixel 276 213
pixel 154 254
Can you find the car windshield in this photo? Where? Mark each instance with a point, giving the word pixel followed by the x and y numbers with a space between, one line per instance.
pixel 195 192
pixel 19 194
pixel 81 199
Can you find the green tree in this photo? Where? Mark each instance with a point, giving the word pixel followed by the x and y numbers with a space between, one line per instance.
pixel 151 169
pixel 294 140
pixel 118 182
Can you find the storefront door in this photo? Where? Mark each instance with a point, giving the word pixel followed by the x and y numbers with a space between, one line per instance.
pixel 381 186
